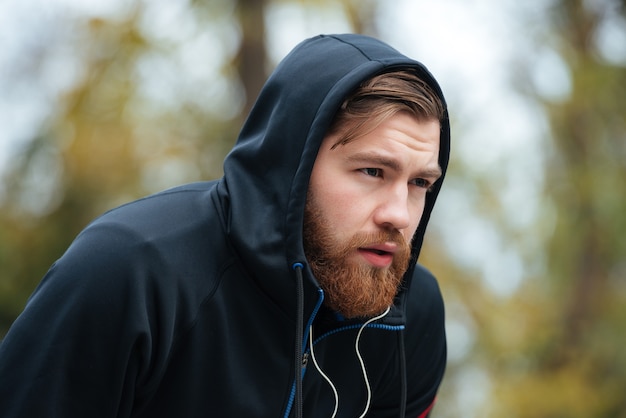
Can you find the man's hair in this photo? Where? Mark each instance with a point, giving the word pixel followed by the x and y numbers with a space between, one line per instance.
pixel 381 97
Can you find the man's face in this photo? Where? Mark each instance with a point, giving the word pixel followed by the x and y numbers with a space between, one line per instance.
pixel 365 201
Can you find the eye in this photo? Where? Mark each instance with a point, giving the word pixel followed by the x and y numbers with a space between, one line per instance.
pixel 422 183
pixel 374 172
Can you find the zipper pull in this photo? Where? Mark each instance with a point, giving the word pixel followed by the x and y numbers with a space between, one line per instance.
pixel 305 360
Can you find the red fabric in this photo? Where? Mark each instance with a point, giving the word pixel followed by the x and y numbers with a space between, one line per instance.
pixel 427 410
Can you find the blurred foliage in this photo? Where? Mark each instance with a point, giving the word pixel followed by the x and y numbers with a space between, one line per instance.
pixel 579 369
pixel 101 146
pixel 107 142
pixel 554 348
pixel 149 109
pixel 157 100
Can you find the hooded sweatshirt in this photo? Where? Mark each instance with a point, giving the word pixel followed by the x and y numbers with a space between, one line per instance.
pixel 196 301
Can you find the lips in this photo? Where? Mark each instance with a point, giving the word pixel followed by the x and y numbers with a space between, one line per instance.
pixel 379 255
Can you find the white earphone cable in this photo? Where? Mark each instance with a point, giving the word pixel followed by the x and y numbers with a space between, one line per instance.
pixel 332 386
pixel 358 354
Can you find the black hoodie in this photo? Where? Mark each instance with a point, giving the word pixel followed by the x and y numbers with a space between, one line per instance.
pixel 191 302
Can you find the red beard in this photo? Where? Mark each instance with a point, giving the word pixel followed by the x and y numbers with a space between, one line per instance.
pixel 353 289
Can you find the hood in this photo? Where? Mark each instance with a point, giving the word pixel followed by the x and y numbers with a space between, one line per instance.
pixel 266 175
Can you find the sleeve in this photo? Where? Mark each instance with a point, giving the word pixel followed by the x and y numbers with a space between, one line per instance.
pixel 83 344
pixel 425 344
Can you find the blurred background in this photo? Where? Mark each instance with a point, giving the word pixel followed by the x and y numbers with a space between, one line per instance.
pixel 104 101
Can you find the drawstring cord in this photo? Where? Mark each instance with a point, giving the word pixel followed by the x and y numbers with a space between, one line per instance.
pixel 402 374
pixel 299 336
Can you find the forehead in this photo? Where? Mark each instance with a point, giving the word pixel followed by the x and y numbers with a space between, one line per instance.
pixel 401 127
pixel 351 130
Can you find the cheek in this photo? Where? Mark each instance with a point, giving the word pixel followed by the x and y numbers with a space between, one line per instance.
pixel 339 208
pixel 418 211
pixel 343 212
pixel 410 232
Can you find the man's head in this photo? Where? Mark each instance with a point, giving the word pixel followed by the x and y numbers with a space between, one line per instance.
pixel 368 189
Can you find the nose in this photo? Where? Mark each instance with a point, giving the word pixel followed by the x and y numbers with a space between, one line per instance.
pixel 393 210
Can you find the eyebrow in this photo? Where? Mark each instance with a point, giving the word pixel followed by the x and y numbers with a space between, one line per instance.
pixel 393 164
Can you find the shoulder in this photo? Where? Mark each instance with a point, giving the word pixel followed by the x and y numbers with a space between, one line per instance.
pixel 425 340
pixel 425 312
pixel 166 243
pixel 424 295
pixel 156 212
pixel 141 230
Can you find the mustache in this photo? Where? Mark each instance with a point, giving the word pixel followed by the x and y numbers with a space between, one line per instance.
pixel 366 239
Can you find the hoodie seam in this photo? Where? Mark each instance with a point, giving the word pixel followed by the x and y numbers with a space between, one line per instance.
pixel 385 327
pixel 355 47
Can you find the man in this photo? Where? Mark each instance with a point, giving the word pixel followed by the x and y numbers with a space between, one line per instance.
pixel 287 288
